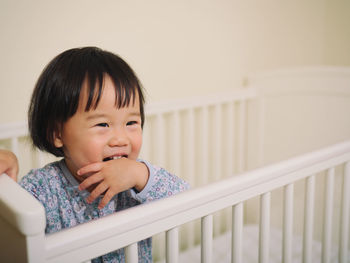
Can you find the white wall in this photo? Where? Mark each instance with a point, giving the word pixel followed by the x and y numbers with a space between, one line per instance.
pixel 178 48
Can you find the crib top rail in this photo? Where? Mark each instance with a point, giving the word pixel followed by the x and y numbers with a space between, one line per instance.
pixel 202 101
pixel 126 227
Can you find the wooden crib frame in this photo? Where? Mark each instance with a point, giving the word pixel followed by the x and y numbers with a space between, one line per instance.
pixel 23 217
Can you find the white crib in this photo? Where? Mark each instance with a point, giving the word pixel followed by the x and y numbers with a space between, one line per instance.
pixel 216 144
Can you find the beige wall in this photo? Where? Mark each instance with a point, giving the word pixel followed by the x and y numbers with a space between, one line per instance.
pixel 177 48
pixel 337 32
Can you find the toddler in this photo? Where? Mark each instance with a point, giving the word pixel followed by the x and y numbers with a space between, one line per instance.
pixel 87 107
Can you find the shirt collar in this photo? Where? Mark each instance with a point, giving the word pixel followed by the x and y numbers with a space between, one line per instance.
pixel 71 179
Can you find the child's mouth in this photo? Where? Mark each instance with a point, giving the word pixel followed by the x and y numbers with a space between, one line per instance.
pixel 114 158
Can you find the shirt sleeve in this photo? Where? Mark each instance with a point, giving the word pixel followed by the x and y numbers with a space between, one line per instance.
pixel 160 184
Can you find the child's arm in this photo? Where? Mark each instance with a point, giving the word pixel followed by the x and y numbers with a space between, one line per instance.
pixel 8 164
pixel 149 181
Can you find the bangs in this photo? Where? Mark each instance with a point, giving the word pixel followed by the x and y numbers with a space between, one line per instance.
pixel 125 93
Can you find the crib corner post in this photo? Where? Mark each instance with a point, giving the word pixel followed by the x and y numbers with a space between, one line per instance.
pixel 18 247
pixel 22 224
pixel 35 245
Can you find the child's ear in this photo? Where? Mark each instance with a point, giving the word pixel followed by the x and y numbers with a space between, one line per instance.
pixel 57 140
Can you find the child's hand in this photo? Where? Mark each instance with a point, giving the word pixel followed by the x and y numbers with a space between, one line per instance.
pixel 113 177
pixel 8 164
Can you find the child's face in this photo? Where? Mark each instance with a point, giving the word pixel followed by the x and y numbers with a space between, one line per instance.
pixel 102 133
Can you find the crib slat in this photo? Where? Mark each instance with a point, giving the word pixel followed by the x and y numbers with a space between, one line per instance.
pixel 308 219
pixel 190 147
pixel 264 227
pixel 230 139
pixel 159 140
pixel 217 157
pixel 131 253
pixel 190 167
pixel 328 212
pixel 288 223
pixel 176 142
pixel 172 245
pixel 344 220
pixel 218 141
pixel 207 239
pixel 261 129
pixel 237 232
pixel 228 152
pixel 205 145
pixel 241 135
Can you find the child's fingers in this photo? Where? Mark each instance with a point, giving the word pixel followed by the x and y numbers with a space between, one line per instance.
pixel 102 187
pixel 90 168
pixel 105 200
pixel 93 179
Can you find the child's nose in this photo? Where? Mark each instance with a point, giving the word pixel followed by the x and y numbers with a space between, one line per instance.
pixel 119 138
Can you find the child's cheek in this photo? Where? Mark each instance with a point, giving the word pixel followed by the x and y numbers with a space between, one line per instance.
pixel 138 148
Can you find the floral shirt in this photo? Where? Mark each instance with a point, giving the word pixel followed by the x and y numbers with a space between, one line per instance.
pixel 66 206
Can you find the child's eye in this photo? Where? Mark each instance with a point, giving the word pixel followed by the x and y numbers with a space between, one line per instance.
pixel 131 123
pixel 103 124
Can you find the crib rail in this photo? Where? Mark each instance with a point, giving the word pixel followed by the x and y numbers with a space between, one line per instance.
pixel 125 228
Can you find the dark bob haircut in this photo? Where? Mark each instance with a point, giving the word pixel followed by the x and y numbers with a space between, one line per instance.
pixel 56 94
